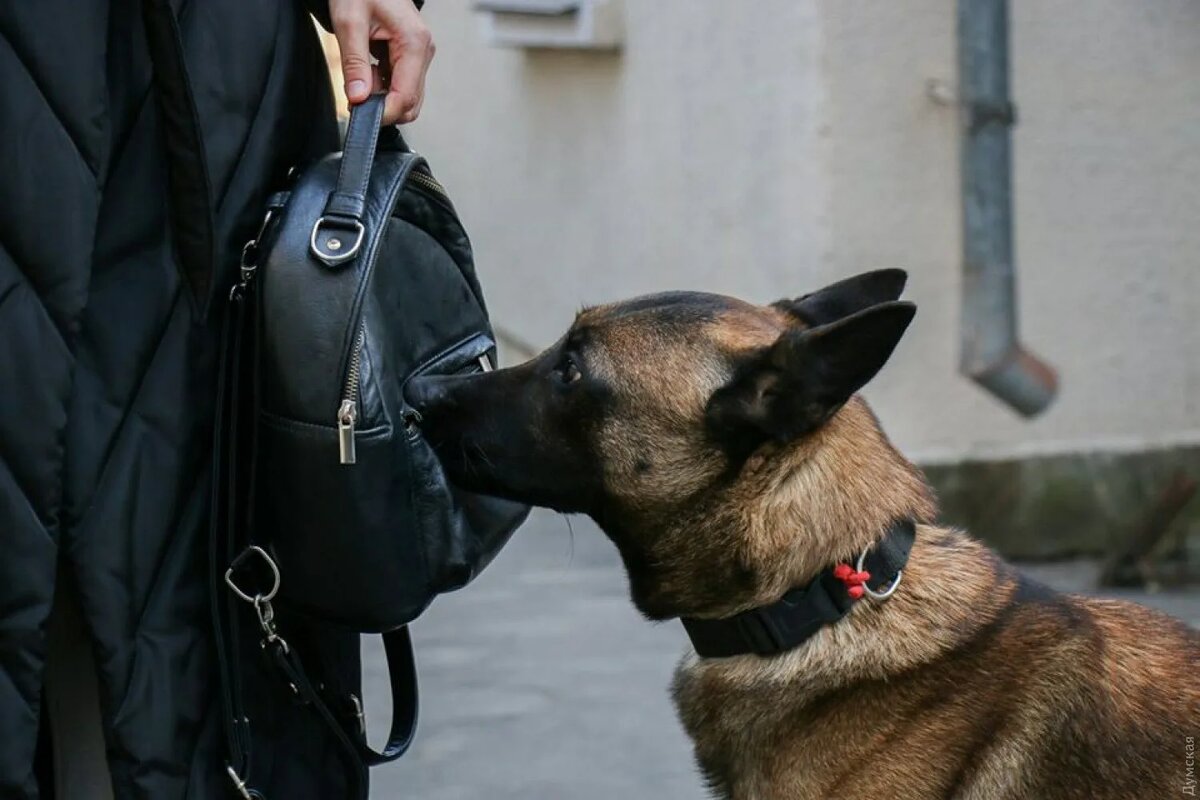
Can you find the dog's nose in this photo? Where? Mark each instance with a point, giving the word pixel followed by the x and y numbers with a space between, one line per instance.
pixel 426 392
pixel 420 392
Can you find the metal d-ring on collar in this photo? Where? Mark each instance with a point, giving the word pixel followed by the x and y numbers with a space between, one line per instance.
pixel 872 593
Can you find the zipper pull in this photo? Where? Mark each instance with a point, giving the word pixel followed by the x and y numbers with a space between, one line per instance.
pixel 346 417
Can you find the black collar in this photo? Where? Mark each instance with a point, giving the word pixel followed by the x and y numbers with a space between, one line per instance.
pixel 798 615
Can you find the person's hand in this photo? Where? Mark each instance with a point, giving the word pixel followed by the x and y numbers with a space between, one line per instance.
pixel 393 32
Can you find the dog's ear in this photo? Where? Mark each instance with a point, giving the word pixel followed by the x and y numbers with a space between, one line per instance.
pixel 846 297
pixel 790 388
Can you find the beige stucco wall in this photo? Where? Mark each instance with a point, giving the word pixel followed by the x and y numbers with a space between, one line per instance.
pixel 762 148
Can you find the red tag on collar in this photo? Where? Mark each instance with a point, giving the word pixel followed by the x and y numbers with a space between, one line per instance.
pixel 854 580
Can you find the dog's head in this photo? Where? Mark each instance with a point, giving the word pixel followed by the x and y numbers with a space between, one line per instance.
pixel 675 420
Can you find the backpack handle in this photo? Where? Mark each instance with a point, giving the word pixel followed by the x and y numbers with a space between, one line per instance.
pixel 338 233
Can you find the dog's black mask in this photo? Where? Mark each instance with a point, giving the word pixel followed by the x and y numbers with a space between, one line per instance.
pixel 521 433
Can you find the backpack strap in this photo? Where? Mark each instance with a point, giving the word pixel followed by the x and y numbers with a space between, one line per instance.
pixel 338 234
pixel 402 673
pixel 223 518
pixel 228 514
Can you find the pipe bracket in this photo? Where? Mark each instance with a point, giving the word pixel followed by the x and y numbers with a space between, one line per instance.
pixel 981 113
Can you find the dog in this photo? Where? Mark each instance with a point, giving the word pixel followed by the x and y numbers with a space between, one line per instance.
pixel 724 449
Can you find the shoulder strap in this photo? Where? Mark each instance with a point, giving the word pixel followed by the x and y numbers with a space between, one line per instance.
pixel 222 521
pixel 225 520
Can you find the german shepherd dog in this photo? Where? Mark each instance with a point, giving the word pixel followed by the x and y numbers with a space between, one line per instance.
pixel 723 448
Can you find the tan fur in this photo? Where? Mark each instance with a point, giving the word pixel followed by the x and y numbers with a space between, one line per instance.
pixel 883 704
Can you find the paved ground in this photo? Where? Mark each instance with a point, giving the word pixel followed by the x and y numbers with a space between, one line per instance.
pixel 540 681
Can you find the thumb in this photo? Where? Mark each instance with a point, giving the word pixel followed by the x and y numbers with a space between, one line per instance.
pixel 352 29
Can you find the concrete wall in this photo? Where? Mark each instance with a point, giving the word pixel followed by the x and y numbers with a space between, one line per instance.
pixel 761 149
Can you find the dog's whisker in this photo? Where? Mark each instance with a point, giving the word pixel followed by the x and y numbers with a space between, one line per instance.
pixel 482 454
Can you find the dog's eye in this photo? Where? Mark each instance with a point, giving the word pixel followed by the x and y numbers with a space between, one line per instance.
pixel 567 370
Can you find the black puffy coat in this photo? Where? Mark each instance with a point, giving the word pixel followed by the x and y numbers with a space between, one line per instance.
pixel 119 232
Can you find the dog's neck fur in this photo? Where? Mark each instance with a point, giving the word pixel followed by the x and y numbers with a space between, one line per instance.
pixel 795 510
pixel 822 502
pixel 792 511
pixel 825 499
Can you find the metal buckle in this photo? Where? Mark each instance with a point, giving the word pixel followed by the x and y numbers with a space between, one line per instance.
pixel 886 593
pixel 336 251
pixel 274 573
pixel 266 621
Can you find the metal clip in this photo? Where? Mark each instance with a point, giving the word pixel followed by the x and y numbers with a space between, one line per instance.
pixel 249 262
pixel 266 621
pixel 261 602
pixel 239 784
pixel 263 227
pixel 358 713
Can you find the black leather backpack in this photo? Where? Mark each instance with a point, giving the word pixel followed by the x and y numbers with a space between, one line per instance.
pixel 330 503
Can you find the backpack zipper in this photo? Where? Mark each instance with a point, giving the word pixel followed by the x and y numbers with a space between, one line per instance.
pixel 427 181
pixel 347 414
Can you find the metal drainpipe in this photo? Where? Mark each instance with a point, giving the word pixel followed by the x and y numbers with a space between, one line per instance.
pixel 992 356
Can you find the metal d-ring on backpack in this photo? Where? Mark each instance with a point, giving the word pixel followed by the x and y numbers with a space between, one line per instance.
pixel 327 501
